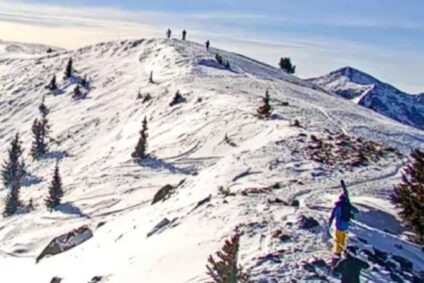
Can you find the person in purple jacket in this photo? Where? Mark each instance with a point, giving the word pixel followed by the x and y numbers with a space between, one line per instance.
pixel 343 212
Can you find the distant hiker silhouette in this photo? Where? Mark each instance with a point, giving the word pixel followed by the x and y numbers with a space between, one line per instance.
pixel 343 212
pixel 168 33
pixel 184 34
pixel 207 44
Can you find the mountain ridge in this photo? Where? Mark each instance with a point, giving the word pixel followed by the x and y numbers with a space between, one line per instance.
pixel 367 91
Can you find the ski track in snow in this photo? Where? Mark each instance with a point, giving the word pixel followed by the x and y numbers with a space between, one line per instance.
pixel 186 142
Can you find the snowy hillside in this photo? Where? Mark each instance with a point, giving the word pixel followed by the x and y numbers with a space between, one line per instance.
pixel 369 92
pixel 16 49
pixel 248 180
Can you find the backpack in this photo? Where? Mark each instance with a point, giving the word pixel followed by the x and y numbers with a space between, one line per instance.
pixel 346 213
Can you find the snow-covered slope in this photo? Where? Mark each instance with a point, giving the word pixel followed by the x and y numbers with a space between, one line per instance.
pixel 17 49
pixel 268 159
pixel 369 92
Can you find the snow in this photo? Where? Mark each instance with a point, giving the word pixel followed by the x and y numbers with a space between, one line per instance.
pixel 186 142
pixel 369 92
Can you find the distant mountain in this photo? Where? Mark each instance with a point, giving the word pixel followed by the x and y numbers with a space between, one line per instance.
pixel 17 49
pixel 369 92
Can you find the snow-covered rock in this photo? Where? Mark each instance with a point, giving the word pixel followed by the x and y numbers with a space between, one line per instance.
pixel 227 187
pixel 369 92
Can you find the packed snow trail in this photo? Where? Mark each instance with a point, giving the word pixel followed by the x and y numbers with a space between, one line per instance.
pixel 114 193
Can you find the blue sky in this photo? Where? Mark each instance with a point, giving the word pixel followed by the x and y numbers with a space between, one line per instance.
pixel 382 37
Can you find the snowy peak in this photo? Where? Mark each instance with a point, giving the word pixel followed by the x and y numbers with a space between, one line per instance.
pixel 369 92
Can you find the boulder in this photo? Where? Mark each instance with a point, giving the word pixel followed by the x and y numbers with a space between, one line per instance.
pixel 56 280
pixel 307 223
pixel 163 194
pixel 66 242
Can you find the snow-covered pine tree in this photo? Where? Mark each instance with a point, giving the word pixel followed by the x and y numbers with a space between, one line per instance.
pixel 265 109
pixel 40 130
pixel 140 150
pixel 226 269
pixel 69 69
pixel 409 195
pixel 55 189
pixel 52 85
pixel 12 174
pixel 12 167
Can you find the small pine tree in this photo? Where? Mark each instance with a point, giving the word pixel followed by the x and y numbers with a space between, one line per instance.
pixel 12 200
pixel 53 85
pixel 77 92
pixel 12 168
pixel 265 109
pixel 286 65
pixel 12 174
pixel 40 131
pixel 84 81
pixel 409 195
pixel 141 148
pixel 69 69
pixel 151 77
pixel 43 108
pixel 55 189
pixel 226 269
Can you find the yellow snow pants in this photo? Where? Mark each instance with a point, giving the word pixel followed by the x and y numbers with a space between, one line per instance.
pixel 339 241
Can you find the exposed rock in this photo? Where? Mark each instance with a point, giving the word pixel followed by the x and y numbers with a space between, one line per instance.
pixel 66 242
pixel 161 226
pixel 277 233
pixel 285 238
pixel 56 280
pixel 203 201
pixel 295 203
pixel 405 264
pixel 163 194
pixel 102 223
pixel 396 278
pixel 96 279
pixel 305 222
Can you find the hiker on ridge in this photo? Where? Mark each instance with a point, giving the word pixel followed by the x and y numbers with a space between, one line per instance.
pixel 168 33
pixel 207 44
pixel 184 35
pixel 343 212
pixel 350 268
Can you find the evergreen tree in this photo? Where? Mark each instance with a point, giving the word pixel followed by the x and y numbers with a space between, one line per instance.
pixel 409 195
pixel 12 168
pixel 53 85
pixel 12 174
pixel 287 66
pixel 140 149
pixel 55 189
pixel 151 77
pixel 69 69
pixel 77 92
pixel 265 109
pixel 40 130
pixel 84 81
pixel 226 269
